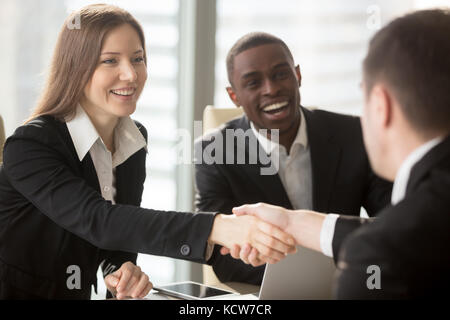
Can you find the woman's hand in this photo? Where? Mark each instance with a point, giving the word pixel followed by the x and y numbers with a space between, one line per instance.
pixel 128 281
pixel 247 254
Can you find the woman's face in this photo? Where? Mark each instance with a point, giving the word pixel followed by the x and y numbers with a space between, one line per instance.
pixel 119 78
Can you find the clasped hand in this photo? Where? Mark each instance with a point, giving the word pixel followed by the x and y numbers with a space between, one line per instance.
pixel 270 228
pixel 269 243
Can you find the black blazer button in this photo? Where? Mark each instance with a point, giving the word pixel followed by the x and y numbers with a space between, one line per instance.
pixel 185 250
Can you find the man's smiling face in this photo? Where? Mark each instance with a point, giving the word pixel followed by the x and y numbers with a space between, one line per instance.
pixel 266 84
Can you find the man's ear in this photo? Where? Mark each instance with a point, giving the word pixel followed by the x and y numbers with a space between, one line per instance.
pixel 233 97
pixel 381 101
pixel 299 75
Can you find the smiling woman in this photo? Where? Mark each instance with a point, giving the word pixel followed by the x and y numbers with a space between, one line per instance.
pixel 72 178
pixel 117 82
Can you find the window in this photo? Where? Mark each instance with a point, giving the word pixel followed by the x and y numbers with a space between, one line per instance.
pixel 328 39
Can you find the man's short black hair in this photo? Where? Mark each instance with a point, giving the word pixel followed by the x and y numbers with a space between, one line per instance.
pixel 411 55
pixel 249 41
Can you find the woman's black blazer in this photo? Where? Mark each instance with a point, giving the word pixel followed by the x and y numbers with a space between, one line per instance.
pixel 53 219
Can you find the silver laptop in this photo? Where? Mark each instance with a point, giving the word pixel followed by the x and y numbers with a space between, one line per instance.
pixel 305 275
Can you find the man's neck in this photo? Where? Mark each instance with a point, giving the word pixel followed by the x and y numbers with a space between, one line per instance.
pixel 287 138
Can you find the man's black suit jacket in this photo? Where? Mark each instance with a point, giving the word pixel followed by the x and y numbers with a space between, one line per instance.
pixel 53 218
pixel 408 243
pixel 342 180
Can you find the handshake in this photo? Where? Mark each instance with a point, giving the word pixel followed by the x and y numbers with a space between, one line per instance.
pixel 262 233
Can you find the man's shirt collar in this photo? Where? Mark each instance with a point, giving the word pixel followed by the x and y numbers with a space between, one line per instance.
pixel 403 173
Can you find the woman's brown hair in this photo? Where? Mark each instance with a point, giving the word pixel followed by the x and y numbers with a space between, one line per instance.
pixel 76 56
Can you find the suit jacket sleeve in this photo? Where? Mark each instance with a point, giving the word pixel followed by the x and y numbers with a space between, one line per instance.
pixel 345 225
pixel 37 166
pixel 378 194
pixel 215 194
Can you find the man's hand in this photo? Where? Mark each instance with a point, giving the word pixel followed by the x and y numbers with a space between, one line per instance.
pixel 274 215
pixel 128 281
pixel 270 241
pixel 304 225
pixel 278 216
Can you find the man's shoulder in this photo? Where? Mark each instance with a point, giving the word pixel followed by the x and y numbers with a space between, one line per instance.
pixel 332 119
pixel 344 129
pixel 414 217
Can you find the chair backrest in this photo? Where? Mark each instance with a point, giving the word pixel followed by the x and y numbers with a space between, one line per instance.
pixel 2 138
pixel 213 117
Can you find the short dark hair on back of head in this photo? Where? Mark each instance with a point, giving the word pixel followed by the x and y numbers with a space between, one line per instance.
pixel 249 41
pixel 411 55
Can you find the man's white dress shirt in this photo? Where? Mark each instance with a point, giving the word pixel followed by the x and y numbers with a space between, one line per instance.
pixel 294 169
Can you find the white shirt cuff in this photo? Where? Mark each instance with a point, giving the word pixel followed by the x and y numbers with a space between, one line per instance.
pixel 327 234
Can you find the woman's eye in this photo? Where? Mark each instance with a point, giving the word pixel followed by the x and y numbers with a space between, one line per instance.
pixel 139 59
pixel 109 61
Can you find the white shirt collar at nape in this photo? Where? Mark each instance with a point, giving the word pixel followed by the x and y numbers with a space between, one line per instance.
pixel 270 146
pixel 128 139
pixel 403 173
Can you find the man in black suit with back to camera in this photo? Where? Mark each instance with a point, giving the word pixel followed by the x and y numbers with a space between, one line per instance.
pixel 316 159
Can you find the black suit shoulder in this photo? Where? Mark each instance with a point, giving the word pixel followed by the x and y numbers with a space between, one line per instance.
pixel 142 129
pixel 45 129
pixel 340 128
pixel 409 243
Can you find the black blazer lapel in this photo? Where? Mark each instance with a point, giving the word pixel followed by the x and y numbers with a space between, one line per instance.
pixel 325 157
pixel 269 185
pixel 89 173
pixel 87 165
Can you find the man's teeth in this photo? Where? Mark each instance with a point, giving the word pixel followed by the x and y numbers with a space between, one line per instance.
pixel 275 106
pixel 127 92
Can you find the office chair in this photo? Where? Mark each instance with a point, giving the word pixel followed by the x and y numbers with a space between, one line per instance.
pixel 212 118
